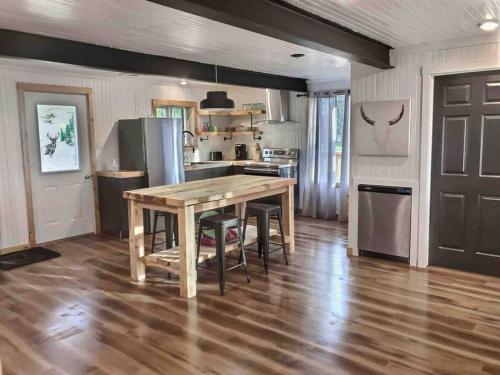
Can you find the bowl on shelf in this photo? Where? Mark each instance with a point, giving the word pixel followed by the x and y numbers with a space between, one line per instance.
pixel 253 106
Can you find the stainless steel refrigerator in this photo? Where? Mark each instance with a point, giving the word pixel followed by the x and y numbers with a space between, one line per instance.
pixel 155 146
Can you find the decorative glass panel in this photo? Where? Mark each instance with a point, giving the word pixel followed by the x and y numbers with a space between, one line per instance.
pixel 58 138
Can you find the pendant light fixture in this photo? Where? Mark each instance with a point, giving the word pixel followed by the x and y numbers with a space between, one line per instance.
pixel 217 100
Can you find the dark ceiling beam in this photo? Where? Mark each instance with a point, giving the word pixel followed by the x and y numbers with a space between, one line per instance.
pixel 31 46
pixel 280 20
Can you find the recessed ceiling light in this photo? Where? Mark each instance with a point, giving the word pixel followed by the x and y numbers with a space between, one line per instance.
pixel 183 82
pixel 297 55
pixel 489 25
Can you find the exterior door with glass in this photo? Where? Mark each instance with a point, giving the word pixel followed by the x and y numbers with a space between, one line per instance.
pixel 60 168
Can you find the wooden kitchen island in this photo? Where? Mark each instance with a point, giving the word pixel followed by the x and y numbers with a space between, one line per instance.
pixel 185 200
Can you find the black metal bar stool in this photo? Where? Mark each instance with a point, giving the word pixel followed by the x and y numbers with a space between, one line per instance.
pixel 264 213
pixel 171 228
pixel 221 223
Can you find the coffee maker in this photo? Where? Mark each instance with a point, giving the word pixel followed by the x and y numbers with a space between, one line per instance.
pixel 241 151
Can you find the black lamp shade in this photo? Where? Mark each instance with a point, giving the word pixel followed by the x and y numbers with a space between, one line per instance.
pixel 217 100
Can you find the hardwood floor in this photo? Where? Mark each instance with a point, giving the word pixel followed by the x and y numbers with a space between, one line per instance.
pixel 324 314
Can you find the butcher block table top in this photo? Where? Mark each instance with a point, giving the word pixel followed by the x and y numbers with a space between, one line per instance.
pixel 209 190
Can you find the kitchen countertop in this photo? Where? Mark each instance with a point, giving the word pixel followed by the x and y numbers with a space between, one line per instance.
pixel 228 163
pixel 120 173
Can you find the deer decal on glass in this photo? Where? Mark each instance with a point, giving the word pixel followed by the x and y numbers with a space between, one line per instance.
pixel 50 148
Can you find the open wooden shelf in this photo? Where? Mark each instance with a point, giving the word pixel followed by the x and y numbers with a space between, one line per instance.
pixel 169 259
pixel 255 133
pixel 237 112
pixel 229 134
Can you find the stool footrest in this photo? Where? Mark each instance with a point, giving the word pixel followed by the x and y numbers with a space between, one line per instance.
pixel 236 266
pixel 270 252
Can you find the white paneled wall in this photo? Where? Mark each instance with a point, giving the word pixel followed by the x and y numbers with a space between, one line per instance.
pixel 400 83
pixel 114 98
pixel 404 82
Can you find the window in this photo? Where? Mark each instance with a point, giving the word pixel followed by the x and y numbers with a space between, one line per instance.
pixel 172 112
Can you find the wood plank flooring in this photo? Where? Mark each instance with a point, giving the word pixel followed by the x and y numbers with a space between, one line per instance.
pixel 323 314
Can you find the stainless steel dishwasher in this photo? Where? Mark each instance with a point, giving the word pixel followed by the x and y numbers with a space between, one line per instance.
pixel 384 217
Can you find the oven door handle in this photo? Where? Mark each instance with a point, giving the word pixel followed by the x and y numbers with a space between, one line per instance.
pixel 263 171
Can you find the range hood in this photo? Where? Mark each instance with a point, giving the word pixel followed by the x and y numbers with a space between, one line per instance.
pixel 277 106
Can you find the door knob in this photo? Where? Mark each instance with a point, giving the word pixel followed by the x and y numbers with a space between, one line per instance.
pixel 88 177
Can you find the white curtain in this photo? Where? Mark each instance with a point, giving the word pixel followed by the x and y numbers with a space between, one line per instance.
pixel 319 191
pixel 344 176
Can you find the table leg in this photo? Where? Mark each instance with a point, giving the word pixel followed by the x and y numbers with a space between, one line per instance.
pixel 136 241
pixel 187 251
pixel 288 218
pixel 240 209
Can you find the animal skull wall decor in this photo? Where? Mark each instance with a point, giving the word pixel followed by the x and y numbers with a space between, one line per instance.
pixel 381 128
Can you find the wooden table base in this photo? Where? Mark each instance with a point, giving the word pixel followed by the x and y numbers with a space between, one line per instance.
pixel 187 199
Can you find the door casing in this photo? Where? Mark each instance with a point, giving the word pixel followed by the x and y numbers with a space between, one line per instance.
pixel 22 88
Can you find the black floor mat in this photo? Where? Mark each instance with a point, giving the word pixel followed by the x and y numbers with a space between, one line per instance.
pixel 25 257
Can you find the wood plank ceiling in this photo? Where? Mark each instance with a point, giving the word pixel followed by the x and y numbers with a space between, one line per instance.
pixel 150 28
pixel 400 23
pixel 146 27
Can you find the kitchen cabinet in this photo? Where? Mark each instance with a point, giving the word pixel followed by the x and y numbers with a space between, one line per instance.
pixel 204 173
pixel 237 169
pixel 113 210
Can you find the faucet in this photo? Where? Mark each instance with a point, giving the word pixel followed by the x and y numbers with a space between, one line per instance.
pixel 191 134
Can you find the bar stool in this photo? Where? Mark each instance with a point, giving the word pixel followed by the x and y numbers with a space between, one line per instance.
pixel 171 227
pixel 264 213
pixel 221 223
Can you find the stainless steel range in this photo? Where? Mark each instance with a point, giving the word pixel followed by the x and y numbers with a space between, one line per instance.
pixel 281 162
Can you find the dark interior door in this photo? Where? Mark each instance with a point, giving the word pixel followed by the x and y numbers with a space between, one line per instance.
pixel 465 192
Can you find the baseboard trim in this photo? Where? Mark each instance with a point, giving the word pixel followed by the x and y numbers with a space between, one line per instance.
pixel 42 244
pixel 13 249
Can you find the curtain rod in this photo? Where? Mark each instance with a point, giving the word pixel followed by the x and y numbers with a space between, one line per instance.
pixel 347 91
